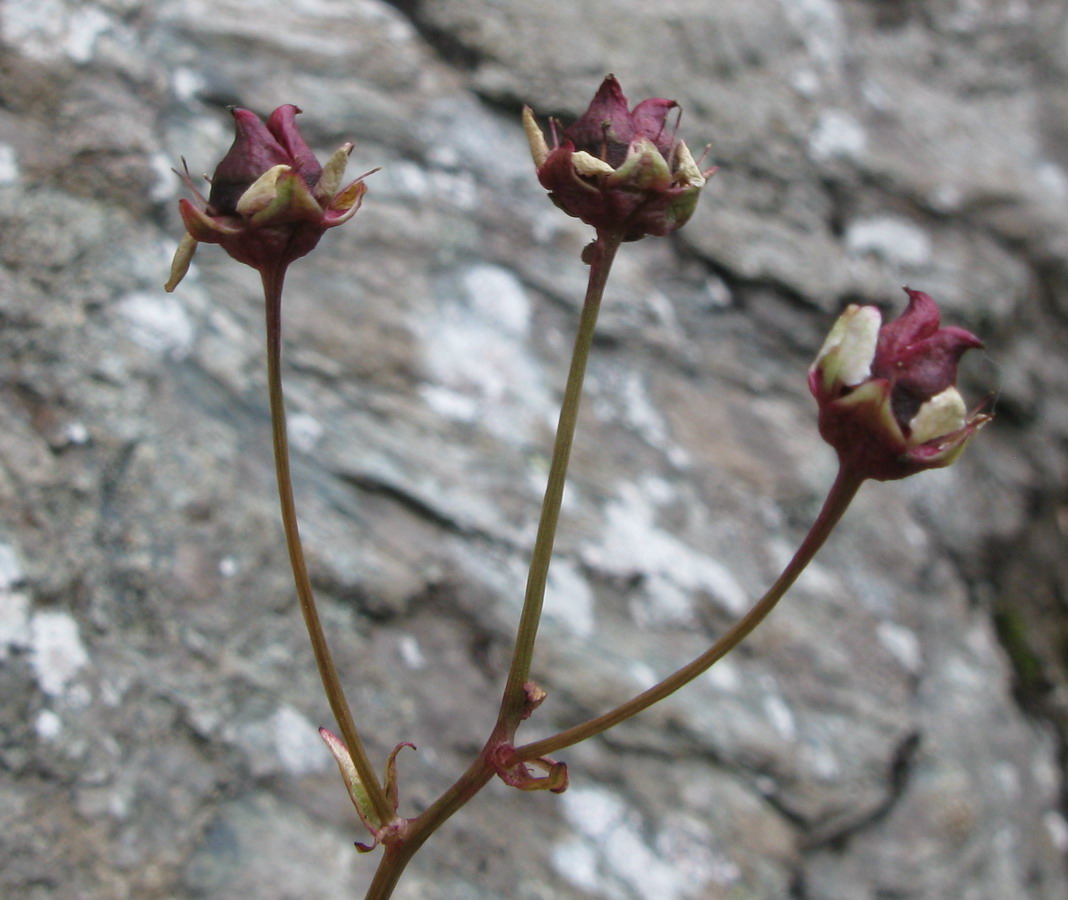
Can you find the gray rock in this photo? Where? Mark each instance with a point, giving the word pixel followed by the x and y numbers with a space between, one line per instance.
pixel 894 730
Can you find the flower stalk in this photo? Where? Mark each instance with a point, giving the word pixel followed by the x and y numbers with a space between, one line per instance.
pixel 516 702
pixel 273 280
pixel 602 253
pixel 484 766
pixel 269 204
pixel 837 502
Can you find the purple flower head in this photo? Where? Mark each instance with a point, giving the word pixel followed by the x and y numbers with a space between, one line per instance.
pixel 887 395
pixel 620 170
pixel 270 200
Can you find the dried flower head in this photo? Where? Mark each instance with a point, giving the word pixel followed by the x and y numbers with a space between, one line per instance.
pixel 622 171
pixel 887 395
pixel 270 200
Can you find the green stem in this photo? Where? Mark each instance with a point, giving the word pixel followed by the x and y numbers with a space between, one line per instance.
pixel 838 499
pixel 335 694
pixel 514 702
pixel 397 855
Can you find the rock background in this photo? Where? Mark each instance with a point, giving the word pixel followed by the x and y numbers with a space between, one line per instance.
pixel 896 730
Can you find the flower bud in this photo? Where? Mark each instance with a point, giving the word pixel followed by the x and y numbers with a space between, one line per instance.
pixel 620 171
pixel 887 395
pixel 270 200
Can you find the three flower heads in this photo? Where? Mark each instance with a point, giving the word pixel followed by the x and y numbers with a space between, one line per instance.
pixel 887 398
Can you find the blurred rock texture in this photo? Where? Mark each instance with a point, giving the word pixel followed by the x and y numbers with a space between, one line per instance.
pixel 896 730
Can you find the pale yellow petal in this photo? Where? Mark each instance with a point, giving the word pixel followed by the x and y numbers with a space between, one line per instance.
pixel 183 256
pixel 539 150
pixel 334 170
pixel 941 415
pixel 586 164
pixel 846 355
pixel 686 170
pixel 644 167
pixel 261 193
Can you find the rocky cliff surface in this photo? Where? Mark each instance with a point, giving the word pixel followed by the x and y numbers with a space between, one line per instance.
pixel 895 730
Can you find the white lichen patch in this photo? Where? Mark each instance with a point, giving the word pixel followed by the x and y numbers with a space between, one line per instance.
pixel 159 323
pixel 569 599
pixel 57 653
pixel 837 135
pixel 496 294
pixel 15 630
pixel 14 621
pixel 166 182
pixel 820 25
pixel 297 742
pixel 411 653
pixel 780 715
pixel 284 742
pixel 594 812
pixel 449 403
pixel 623 397
pixel 610 854
pixel 1057 828
pixel 477 352
pixel 642 674
pixel 675 573
pixel 9 164
pixel 47 725
pixel 187 83
pixel 663 602
pixel 76 433
pixel 458 189
pixel 305 431
pixel 806 82
pixel 819 757
pixel 893 239
pixel 902 644
pixel 578 861
pixel 10 568
pixel 49 30
pixel 724 675
pixel 1052 180
pixel 1007 778
pixel 404 179
pixel 963 675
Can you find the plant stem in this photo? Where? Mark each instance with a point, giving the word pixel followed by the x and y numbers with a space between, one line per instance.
pixel 397 855
pixel 838 499
pixel 513 704
pixel 273 281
